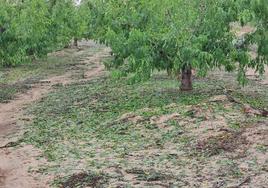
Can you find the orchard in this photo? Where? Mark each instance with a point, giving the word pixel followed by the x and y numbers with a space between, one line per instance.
pixel 133 93
pixel 144 35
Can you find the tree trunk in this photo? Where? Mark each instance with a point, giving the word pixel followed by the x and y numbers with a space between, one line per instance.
pixel 75 42
pixel 169 72
pixel 2 30
pixel 186 79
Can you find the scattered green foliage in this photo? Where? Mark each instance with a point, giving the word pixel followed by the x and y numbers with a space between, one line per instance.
pixel 83 179
pixel 23 77
pixel 103 124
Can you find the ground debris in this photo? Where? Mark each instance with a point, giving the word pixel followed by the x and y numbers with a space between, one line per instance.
pixel 218 98
pixel 84 179
pixel 149 175
pixel 12 144
pixel 218 184
pixel 227 141
pixel 131 117
pixel 252 111
pixel 247 109
pixel 244 181
pixel 164 118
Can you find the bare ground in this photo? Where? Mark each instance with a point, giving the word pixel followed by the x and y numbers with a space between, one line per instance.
pixel 15 162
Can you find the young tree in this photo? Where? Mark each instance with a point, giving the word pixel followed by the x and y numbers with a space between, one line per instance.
pixel 81 19
pixel 62 22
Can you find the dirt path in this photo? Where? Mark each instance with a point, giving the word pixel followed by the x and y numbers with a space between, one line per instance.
pixel 15 162
pixel 251 74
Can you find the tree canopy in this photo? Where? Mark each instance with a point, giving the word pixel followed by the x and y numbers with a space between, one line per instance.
pixel 178 36
pixel 144 35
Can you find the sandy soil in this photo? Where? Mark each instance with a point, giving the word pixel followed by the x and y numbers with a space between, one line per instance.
pixel 15 163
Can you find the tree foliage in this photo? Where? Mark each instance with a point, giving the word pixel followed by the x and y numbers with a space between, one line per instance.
pixel 30 29
pixel 178 35
pixel 22 28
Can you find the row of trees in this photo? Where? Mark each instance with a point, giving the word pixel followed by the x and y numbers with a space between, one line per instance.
pixel 144 35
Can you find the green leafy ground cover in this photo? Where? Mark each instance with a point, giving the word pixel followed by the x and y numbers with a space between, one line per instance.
pixel 151 134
